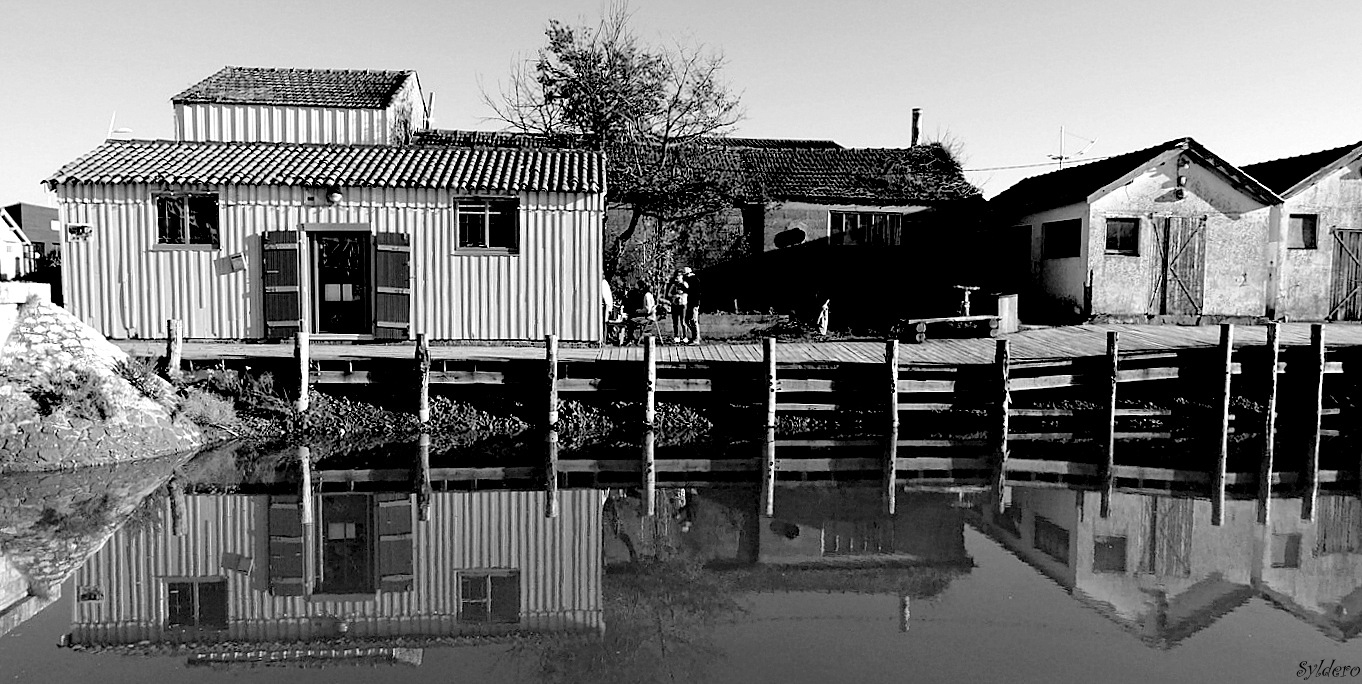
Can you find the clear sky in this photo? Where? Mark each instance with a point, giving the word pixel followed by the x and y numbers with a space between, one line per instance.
pixel 1251 79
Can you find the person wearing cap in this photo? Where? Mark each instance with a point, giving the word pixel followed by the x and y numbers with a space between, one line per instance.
pixel 692 304
pixel 678 295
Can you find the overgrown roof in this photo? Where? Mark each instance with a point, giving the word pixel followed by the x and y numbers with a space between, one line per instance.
pixel 1283 174
pixel 298 164
pixel 1076 183
pixel 350 88
pixel 780 170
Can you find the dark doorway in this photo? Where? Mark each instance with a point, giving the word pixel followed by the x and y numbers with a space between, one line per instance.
pixel 347 562
pixel 341 275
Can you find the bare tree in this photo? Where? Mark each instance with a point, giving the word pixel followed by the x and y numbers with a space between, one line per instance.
pixel 653 110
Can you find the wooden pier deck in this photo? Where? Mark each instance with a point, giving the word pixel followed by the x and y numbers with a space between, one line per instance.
pixel 1039 345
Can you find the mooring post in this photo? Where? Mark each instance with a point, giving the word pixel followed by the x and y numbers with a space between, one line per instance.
pixel 303 353
pixel 768 355
pixel 891 461
pixel 551 475
pixel 891 367
pixel 1225 352
pixel 551 368
pixel 1317 363
pixel 649 382
pixel 175 493
pixel 768 472
pixel 905 606
pixel 1002 360
pixel 174 347
pixel 423 489
pixel 309 529
pixel 649 472
pixel 305 462
pixel 1109 419
pixel 423 373
pixel 1270 424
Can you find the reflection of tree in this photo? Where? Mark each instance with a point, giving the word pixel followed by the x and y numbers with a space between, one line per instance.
pixel 659 617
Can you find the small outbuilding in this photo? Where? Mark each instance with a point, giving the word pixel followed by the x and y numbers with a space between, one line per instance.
pixel 1318 241
pixel 1171 232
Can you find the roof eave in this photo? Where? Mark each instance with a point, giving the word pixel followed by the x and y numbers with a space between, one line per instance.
pixel 1352 155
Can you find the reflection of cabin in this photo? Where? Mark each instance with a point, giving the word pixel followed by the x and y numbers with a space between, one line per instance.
pixel 1318 241
pixel 293 194
pixel 19 599
pixel 1157 566
pixel 1172 230
pixel 850 526
pixel 247 569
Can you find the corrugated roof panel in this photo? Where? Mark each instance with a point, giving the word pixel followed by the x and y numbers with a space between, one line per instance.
pixel 509 170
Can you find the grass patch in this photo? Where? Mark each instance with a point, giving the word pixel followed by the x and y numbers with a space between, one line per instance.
pixel 81 519
pixel 206 408
pixel 77 391
pixel 143 377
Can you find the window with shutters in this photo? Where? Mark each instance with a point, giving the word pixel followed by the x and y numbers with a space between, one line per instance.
pixel 489 225
pixel 489 596
pixel 197 603
pixel 1109 554
pixel 187 219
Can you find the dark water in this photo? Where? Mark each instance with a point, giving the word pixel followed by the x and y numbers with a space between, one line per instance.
pixel 215 583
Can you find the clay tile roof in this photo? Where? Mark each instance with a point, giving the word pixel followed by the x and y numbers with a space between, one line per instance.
pixel 1075 183
pixel 294 164
pixel 1283 174
pixel 351 88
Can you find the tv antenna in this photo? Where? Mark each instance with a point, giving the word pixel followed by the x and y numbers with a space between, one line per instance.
pixel 1061 157
pixel 119 131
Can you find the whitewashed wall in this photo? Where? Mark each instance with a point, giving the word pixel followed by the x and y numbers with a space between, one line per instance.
pixel 120 282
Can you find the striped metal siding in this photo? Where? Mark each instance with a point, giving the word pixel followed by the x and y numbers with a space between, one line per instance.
pixel 119 285
pixel 559 562
pixel 274 123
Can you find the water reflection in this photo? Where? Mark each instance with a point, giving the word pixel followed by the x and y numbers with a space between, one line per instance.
pixel 1160 569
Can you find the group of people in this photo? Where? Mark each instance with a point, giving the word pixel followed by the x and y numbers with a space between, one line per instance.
pixel 680 300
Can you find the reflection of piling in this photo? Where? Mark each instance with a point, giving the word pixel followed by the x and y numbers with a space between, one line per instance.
pixel 174 347
pixel 904 604
pixel 1109 421
pixel 891 472
pixel 649 473
pixel 1316 414
pixel 423 490
pixel 768 472
pixel 305 461
pixel 423 373
pixel 309 529
pixel 1226 355
pixel 302 354
pixel 551 382
pixel 1002 358
pixel 1270 424
pixel 649 382
pixel 551 474
pixel 891 451
pixel 176 495
pixel 768 354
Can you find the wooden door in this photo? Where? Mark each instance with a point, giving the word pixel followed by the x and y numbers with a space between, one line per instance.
pixel 287 566
pixel 395 552
pixel 392 286
pixel 279 279
pixel 1179 274
pixel 1346 296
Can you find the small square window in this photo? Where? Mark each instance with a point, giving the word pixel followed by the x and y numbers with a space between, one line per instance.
pixel 489 596
pixel 187 219
pixel 1061 239
pixel 1123 236
pixel 197 603
pixel 488 224
pixel 1302 231
pixel 1286 550
pixel 1109 554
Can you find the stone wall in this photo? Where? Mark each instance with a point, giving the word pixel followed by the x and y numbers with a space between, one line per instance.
pixel 49 350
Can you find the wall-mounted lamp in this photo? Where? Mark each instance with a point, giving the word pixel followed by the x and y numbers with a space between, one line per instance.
pixel 334 196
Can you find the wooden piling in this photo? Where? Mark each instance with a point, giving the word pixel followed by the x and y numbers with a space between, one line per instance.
pixel 423 371
pixel 423 489
pixel 1226 356
pixel 174 347
pixel 551 474
pixel 1317 411
pixel 649 382
pixel 768 473
pixel 649 473
pixel 891 461
pixel 551 369
pixel 175 493
pixel 905 605
pixel 302 353
pixel 1002 360
pixel 309 529
pixel 891 365
pixel 1270 423
pixel 305 462
pixel 768 354
pixel 1109 419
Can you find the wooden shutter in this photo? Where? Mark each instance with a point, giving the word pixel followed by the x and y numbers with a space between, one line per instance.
pixel 1186 265
pixel 287 569
pixel 279 277
pixel 392 283
pixel 505 598
pixel 394 542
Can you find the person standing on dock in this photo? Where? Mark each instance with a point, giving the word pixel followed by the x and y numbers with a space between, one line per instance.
pixel 693 306
pixel 678 295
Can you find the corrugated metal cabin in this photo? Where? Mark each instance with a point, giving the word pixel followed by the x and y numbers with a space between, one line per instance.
pixel 1317 236
pixel 248 240
pixel 247 570
pixel 1170 232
